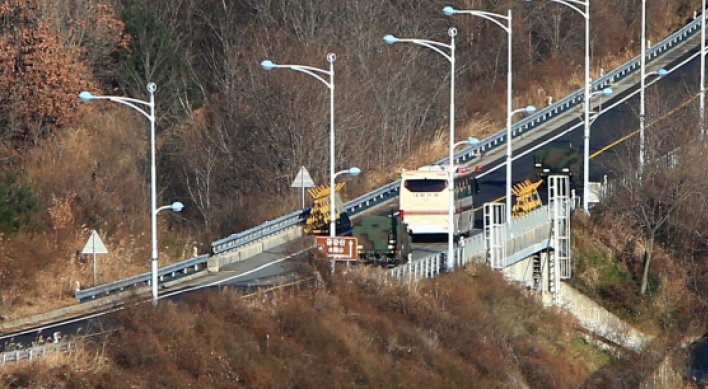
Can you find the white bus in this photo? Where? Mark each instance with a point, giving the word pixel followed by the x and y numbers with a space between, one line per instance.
pixel 424 199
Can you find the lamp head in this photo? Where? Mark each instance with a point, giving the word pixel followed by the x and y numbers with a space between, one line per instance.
pixel 268 65
pixel 176 206
pixel 662 72
pixel 607 91
pixel 354 171
pixel 86 96
pixel 530 109
pixel 471 141
pixel 390 39
pixel 449 11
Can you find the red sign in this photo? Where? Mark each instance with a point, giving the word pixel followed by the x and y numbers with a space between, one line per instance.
pixel 339 248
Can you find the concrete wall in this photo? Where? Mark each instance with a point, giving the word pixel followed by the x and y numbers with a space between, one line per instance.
pixel 521 272
pixel 250 250
pixel 598 320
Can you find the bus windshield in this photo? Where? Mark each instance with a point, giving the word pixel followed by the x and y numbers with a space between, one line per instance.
pixel 422 185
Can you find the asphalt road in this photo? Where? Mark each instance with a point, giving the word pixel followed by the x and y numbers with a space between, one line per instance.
pixel 608 128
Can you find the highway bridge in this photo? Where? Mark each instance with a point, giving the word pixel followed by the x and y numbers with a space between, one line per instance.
pixel 261 255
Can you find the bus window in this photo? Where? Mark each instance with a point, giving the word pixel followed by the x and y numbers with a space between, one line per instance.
pixel 426 185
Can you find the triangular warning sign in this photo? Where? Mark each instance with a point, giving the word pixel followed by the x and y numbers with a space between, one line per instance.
pixel 94 245
pixel 303 180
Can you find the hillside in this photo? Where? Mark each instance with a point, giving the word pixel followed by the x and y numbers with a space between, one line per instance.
pixel 224 144
pixel 465 330
pixel 230 138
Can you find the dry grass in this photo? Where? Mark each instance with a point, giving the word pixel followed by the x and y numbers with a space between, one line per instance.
pixel 538 92
pixel 103 186
pixel 355 331
pixel 100 187
pixel 609 267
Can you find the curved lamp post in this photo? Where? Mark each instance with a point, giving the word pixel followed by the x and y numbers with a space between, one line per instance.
pixel 136 105
pixel 586 151
pixel 353 171
pixel 498 20
pixel 643 76
pixel 471 141
pixel 585 12
pixel 317 73
pixel 642 109
pixel 440 49
pixel 174 207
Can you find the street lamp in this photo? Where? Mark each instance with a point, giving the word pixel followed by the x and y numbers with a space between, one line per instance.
pixel 643 76
pixel 471 141
pixel 575 5
pixel 354 171
pixel 135 104
pixel 316 73
pixel 174 207
pixel 497 19
pixel 604 92
pixel 438 48
pixel 586 151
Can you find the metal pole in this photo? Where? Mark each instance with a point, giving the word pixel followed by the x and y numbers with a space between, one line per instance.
pixel 509 113
pixel 451 175
pixel 641 86
pixel 95 266
pixel 333 205
pixel 153 193
pixel 302 186
pixel 586 156
pixel 702 108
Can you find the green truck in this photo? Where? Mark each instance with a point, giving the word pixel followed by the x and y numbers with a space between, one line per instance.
pixel 382 240
pixel 557 161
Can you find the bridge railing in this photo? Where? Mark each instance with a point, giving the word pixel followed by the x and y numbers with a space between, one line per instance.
pixel 390 191
pixel 33 352
pixel 473 250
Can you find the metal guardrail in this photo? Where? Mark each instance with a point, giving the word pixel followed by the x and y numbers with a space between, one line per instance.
pixel 473 250
pixel 521 127
pixel 256 233
pixel 390 191
pixel 33 352
pixel 143 279
pixel 576 98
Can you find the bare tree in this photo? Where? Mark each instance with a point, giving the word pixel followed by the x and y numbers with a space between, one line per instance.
pixel 649 198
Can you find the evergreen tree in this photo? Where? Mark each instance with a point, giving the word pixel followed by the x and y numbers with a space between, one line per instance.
pixel 153 56
pixel 18 204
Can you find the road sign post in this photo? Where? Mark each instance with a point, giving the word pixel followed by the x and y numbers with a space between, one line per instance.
pixel 337 248
pixel 94 245
pixel 303 180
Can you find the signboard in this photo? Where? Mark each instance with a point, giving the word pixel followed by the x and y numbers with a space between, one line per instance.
pixel 303 179
pixel 339 248
pixel 94 245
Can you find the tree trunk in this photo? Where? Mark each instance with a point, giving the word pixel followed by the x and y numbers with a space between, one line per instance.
pixel 648 252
